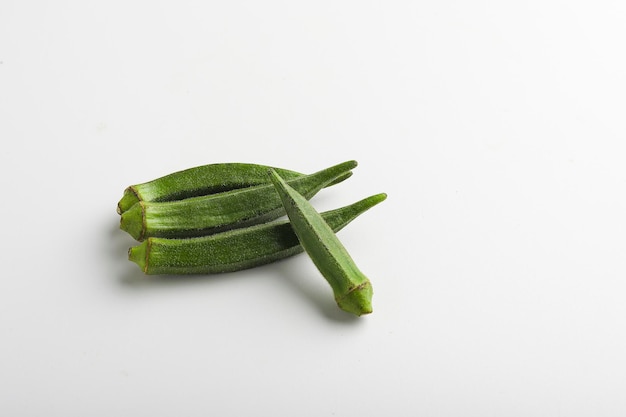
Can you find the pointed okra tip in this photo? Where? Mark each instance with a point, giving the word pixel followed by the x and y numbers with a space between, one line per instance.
pixel 352 163
pixel 378 198
pixel 347 166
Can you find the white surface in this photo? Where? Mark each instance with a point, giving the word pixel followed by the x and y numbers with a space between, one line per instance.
pixel 496 128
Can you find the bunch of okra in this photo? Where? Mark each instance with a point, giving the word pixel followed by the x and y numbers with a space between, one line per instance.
pixel 222 217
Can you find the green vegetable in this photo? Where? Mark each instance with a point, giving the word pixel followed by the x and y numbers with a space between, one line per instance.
pixel 237 249
pixel 197 216
pixel 202 180
pixel 352 289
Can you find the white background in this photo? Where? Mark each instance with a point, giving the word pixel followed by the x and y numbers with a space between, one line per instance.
pixel 498 261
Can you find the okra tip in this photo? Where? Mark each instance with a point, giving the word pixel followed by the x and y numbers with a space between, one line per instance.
pixel 378 198
pixel 349 164
pixel 343 167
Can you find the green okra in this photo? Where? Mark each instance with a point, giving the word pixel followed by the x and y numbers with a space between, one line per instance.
pixel 352 289
pixel 197 216
pixel 236 249
pixel 202 180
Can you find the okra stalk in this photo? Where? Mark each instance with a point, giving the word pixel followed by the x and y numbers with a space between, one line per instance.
pixel 352 289
pixel 197 216
pixel 236 249
pixel 202 180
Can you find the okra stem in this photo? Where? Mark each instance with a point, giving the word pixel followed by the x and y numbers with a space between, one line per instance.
pixel 352 289
pixel 236 249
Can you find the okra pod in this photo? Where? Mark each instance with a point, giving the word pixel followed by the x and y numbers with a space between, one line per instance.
pixel 197 216
pixel 236 249
pixel 202 180
pixel 352 289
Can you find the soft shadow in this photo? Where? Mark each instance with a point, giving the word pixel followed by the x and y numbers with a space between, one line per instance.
pixel 137 279
pixel 306 287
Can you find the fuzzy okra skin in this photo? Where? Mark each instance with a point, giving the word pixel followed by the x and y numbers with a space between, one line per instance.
pixel 198 216
pixel 236 249
pixel 202 180
pixel 352 289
